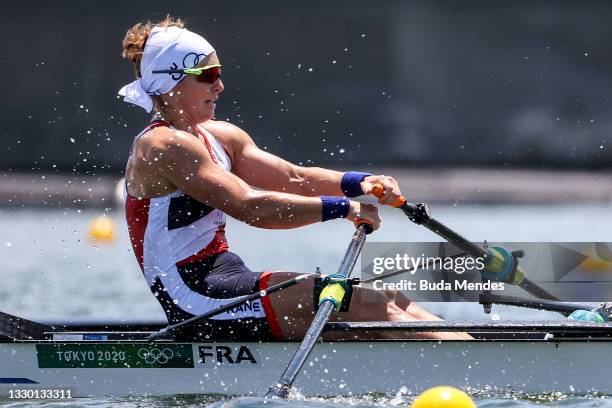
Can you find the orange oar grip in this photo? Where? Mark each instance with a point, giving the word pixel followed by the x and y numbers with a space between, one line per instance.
pixel 378 191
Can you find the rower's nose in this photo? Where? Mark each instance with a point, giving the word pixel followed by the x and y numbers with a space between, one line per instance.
pixel 218 85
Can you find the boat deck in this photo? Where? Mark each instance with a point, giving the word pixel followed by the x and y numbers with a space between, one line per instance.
pixel 555 330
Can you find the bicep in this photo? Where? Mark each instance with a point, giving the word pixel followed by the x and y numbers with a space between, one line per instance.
pixel 265 170
pixel 188 166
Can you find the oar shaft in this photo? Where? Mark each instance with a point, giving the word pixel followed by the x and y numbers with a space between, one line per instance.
pixel 476 251
pixel 18 328
pixel 282 387
pixel 456 239
pixel 536 290
pixel 420 214
pixel 565 308
pixel 353 251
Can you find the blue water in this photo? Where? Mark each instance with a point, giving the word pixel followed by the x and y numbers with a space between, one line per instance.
pixel 51 270
pixel 215 401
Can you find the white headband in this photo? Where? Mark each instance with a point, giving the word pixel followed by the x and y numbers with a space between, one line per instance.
pixel 166 48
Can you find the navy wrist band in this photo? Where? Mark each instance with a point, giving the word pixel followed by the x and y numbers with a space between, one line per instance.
pixel 351 183
pixel 334 207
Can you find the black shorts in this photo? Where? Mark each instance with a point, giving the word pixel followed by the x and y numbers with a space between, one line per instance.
pixel 220 279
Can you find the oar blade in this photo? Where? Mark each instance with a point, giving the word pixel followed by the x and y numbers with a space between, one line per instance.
pixel 278 391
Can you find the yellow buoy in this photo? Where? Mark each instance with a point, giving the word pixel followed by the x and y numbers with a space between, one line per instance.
pixel 102 229
pixel 443 397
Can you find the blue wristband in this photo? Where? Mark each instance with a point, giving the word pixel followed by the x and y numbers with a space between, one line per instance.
pixel 351 183
pixel 334 207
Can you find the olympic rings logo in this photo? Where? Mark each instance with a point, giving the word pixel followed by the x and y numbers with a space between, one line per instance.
pixel 155 355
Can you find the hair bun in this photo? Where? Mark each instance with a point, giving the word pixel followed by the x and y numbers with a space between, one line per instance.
pixel 134 42
pixel 136 38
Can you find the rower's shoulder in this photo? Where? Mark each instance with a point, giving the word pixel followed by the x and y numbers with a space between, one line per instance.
pixel 162 138
pixel 224 131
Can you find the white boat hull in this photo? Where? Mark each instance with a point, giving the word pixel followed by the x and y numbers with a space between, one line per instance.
pixel 342 368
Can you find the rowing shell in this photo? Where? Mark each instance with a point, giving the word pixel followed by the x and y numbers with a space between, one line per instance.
pixel 523 357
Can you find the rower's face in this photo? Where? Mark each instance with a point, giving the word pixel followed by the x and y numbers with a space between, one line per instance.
pixel 193 98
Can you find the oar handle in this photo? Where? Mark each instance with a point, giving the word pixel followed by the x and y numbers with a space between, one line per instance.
pixel 378 190
pixel 362 223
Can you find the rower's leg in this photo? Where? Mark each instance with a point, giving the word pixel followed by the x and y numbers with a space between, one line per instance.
pixel 294 311
pixel 416 312
pixel 410 307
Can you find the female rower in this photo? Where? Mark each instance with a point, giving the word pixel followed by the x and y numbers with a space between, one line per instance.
pixel 186 171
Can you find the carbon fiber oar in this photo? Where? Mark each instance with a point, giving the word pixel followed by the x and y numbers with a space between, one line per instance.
pixel 565 308
pixel 19 328
pixel 497 258
pixel 238 302
pixel 326 307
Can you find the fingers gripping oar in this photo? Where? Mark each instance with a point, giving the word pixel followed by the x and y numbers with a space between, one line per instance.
pixel 329 301
pixel 500 265
pixel 240 301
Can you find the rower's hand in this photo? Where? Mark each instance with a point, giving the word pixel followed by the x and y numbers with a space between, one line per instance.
pixel 391 191
pixel 367 213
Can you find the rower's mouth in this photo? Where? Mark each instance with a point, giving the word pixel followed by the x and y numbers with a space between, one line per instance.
pixel 211 101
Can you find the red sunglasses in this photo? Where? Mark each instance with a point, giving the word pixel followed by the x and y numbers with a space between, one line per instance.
pixel 208 74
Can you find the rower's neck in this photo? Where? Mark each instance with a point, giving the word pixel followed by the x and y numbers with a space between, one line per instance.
pixel 179 123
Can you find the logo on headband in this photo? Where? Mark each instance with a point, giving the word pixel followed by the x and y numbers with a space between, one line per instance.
pixel 190 60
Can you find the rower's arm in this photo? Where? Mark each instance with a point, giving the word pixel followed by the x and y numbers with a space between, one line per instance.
pixel 181 159
pixel 269 172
